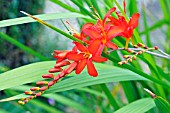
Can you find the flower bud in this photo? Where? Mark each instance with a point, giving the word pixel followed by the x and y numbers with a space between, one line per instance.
pixel 70 68
pixel 140 52
pixel 120 63
pixel 41 83
pixel 135 46
pixel 51 83
pixel 31 97
pixel 34 88
pixel 130 60
pixel 134 57
pixel 156 47
pixel 48 76
pixel 53 70
pixel 21 102
pixel 126 56
pixel 56 78
pixel 38 94
pixel 146 47
pixel 61 64
pixel 43 88
pixel 29 92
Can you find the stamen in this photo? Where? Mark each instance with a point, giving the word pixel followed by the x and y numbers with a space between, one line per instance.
pixel 71 28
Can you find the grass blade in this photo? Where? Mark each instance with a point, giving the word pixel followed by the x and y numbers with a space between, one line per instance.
pixel 51 16
pixel 139 106
pixel 33 72
pixel 21 46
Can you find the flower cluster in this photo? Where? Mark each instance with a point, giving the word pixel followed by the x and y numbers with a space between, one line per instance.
pixel 97 37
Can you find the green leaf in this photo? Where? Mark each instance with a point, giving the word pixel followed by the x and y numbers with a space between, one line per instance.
pixel 22 46
pixel 69 102
pixel 162 104
pixel 51 16
pixel 59 98
pixel 65 6
pixel 139 106
pixel 33 72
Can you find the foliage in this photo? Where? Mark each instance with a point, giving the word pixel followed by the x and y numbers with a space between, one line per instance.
pixel 100 95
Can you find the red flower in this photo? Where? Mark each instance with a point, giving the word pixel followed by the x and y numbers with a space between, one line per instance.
pixel 85 56
pixel 127 26
pixel 103 30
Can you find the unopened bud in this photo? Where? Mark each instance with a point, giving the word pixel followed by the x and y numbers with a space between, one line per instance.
pixel 29 92
pixel 56 78
pixel 156 47
pixel 140 52
pixel 70 68
pixel 48 76
pixel 134 57
pixel 34 88
pixel 140 44
pixel 135 46
pixel 43 88
pixel 146 47
pixel 61 64
pixel 53 70
pixel 41 83
pixel 126 56
pixel 21 102
pixel 38 94
pixel 130 60
pixel 120 63
pixel 51 83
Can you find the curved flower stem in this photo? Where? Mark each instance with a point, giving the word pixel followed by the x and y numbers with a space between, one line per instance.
pixel 165 55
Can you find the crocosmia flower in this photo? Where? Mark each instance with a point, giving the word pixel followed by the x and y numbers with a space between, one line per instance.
pixel 127 26
pixel 86 56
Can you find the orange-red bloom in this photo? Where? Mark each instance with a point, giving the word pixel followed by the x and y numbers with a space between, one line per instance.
pixel 85 56
pixel 127 26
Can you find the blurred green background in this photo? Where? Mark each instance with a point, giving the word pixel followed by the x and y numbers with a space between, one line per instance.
pixel 154 29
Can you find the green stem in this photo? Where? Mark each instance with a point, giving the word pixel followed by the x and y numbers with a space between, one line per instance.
pixel 110 97
pixel 23 47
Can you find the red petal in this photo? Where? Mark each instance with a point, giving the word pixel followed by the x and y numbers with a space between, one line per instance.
pixel 80 47
pixel 99 59
pixel 100 50
pixel 114 31
pixel 134 20
pixel 81 66
pixel 108 13
pixel 91 69
pixel 94 46
pixel 114 21
pixel 92 33
pixel 111 45
pixel 74 56
pixel 87 25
